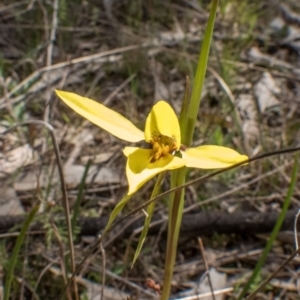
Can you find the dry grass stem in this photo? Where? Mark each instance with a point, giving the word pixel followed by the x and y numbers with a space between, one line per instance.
pixel 207 274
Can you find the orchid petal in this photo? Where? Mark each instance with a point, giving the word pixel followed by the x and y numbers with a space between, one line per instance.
pixel 212 157
pixel 140 169
pixel 162 120
pixel 102 116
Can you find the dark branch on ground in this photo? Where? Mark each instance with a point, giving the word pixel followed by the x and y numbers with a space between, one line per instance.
pixel 196 224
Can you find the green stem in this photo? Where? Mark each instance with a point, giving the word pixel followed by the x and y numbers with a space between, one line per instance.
pixel 80 197
pixel 274 233
pixel 200 74
pixel 14 257
pixel 175 217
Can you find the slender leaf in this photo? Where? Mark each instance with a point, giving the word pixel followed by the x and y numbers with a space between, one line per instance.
pixel 184 111
pixel 14 257
pixel 200 74
pixel 79 196
pixel 150 211
pixel 116 211
pixel 275 231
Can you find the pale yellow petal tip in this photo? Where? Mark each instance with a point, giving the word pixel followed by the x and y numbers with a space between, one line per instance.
pixel 57 92
pixel 213 157
pixel 67 96
pixel 240 158
pixel 61 93
pixel 134 184
pixel 132 190
pixel 243 158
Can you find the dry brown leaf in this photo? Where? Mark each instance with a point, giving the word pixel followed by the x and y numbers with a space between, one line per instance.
pixel 28 181
pixel 10 204
pixel 266 91
pixel 15 159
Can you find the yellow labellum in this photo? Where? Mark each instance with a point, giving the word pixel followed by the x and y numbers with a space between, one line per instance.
pixel 140 169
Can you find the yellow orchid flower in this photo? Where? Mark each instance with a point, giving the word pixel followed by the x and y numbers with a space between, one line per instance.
pixel 162 131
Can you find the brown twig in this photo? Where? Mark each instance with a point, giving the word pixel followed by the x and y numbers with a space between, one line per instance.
pixel 264 283
pixel 103 270
pixel 62 258
pixel 42 273
pixel 206 267
pixel 49 56
pixel 238 188
pixel 296 230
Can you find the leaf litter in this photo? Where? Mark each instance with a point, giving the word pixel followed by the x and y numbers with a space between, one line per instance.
pixel 266 84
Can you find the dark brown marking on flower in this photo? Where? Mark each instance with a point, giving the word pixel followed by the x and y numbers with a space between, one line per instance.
pixel 183 147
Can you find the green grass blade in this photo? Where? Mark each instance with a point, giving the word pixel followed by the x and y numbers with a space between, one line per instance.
pixel 275 231
pixel 116 211
pixel 184 111
pixel 14 257
pixel 80 196
pixel 200 74
pixel 150 211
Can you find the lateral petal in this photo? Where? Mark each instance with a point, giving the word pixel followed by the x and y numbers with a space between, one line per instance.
pixel 139 168
pixel 162 120
pixel 211 157
pixel 102 116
